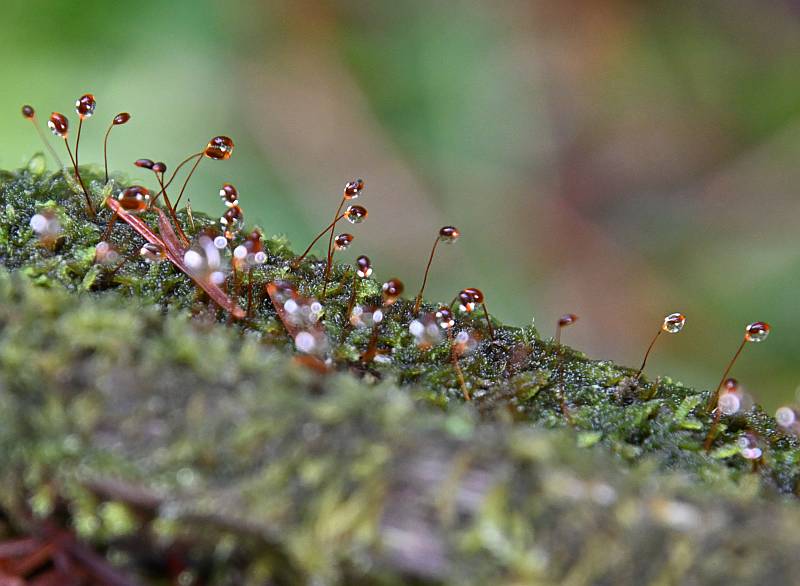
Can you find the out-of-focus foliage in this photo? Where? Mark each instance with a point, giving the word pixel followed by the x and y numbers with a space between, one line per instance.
pixel 637 157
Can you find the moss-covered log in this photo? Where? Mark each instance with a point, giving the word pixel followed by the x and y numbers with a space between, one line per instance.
pixel 124 420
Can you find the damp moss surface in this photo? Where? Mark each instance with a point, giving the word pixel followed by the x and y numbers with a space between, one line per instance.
pixel 132 405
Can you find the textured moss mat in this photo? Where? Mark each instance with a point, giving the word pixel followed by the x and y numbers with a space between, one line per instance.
pixel 129 407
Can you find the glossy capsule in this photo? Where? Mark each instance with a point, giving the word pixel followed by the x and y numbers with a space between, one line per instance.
pixel 229 195
pixel 392 290
pixel 757 331
pixel 673 323
pixel 58 124
pixel 144 163
pixel 134 199
pixel 567 320
pixel 355 214
pixel 353 189
pixel 121 118
pixel 85 106
pixel 28 112
pixel 342 241
pixel 449 234
pixel 363 266
pixel 160 167
pixel 231 221
pixel 444 317
pixel 152 252
pixel 219 148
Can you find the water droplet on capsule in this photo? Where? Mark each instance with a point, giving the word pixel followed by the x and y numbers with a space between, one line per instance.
pixel 363 266
pixel 673 323
pixel 786 417
pixel 135 199
pixel 152 252
pixel 105 254
pixel 144 163
pixel 229 195
pixel 85 106
pixel 449 234
pixel 356 214
pixel 28 111
pixel 392 289
pixel 567 320
pixel 353 189
pixel 444 317
pixel 160 167
pixel 342 241
pixel 466 303
pixel 232 221
pixel 219 148
pixel 58 124
pixel 748 446
pixel 757 331
pixel 121 118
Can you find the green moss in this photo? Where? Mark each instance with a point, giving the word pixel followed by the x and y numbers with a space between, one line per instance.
pixel 111 392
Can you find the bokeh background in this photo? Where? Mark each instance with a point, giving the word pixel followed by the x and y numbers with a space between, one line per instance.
pixel 616 159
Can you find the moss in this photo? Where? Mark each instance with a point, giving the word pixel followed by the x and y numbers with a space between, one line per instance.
pixel 119 407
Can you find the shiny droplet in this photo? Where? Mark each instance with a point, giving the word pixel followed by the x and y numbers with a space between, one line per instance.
pixel 160 167
pixel 219 148
pixel 392 289
pixel 355 214
pixel 444 317
pixel 729 403
pixel 144 163
pixel 673 323
pixel 353 189
pixel 757 331
pixel 121 118
pixel 152 252
pixel 105 254
pixel 28 111
pixel 449 234
pixel 363 266
pixel 748 446
pixel 342 241
pixel 58 124
pixel 134 199
pixel 229 195
pixel 567 320
pixel 786 417
pixel 231 221
pixel 466 303
pixel 85 106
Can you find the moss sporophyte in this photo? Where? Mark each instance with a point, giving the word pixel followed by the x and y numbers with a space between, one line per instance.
pixel 339 318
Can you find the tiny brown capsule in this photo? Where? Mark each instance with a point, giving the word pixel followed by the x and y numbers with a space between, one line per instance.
pixel 356 214
pixel 449 234
pixel 229 195
pixel 353 189
pixel 85 106
pixel 28 111
pixel 342 241
pixel 152 252
pixel 567 320
pixel 757 332
pixel 363 266
pixel 392 289
pixel 121 118
pixel 134 199
pixel 232 221
pixel 444 317
pixel 144 163
pixel 219 148
pixel 160 167
pixel 58 124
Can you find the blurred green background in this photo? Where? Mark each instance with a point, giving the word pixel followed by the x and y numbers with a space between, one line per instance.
pixel 619 160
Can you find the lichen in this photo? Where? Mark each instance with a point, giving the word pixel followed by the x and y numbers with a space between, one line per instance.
pixel 129 400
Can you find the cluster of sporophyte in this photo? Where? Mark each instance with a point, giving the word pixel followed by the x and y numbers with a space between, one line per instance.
pixel 95 233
